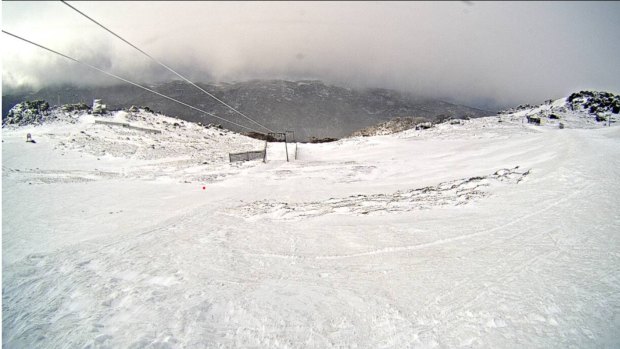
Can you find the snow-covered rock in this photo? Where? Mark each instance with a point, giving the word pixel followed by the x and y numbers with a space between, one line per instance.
pixel 583 109
pixel 28 112
pixel 99 107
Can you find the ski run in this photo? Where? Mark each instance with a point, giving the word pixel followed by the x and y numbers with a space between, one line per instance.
pixel 486 233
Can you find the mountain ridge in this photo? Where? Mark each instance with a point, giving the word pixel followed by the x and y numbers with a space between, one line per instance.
pixel 311 108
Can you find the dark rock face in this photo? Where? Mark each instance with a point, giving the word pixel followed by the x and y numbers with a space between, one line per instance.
pixel 310 108
pixel 322 140
pixel 392 126
pixel 518 108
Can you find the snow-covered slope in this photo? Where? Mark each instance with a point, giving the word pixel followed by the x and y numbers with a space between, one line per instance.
pixel 389 127
pixel 75 150
pixel 482 234
pixel 585 109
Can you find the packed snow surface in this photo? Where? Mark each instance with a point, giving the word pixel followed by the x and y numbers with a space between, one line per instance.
pixel 482 234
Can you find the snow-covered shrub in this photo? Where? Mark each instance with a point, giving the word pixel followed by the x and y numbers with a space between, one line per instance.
pixel 28 112
pixel 595 102
pixel 601 118
pixel 75 107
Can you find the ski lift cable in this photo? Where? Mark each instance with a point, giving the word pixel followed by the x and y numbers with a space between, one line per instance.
pixel 127 81
pixel 165 66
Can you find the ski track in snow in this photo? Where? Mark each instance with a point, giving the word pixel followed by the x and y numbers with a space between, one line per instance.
pixel 282 255
pixel 457 192
pixel 461 237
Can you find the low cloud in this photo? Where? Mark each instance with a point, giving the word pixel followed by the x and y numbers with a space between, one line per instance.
pixel 485 54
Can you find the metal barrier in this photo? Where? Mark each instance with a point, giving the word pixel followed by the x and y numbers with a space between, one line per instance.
pixel 113 123
pixel 126 125
pixel 257 154
pixel 247 156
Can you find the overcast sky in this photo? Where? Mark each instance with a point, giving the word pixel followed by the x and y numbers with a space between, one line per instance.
pixel 478 53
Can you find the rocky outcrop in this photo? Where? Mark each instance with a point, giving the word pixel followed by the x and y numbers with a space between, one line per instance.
pixel 28 112
pixel 595 102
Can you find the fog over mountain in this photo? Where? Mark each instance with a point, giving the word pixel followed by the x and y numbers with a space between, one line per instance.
pixel 483 54
pixel 309 108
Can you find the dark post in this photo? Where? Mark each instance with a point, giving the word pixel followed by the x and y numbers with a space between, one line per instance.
pixel 286 146
pixel 293 141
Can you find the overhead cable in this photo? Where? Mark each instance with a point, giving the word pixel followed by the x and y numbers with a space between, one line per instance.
pixel 128 81
pixel 165 66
